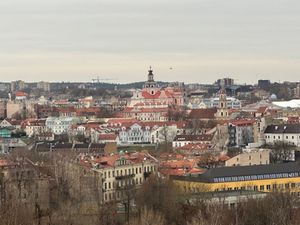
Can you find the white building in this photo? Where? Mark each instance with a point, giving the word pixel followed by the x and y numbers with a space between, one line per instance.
pixel 241 132
pixel 232 103
pixel 289 133
pixel 136 133
pixel 60 125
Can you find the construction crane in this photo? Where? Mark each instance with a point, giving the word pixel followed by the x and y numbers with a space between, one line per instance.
pixel 98 79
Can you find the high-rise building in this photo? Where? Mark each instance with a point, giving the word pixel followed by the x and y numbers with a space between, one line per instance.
pixel 297 91
pixel 264 84
pixel 45 86
pixel 17 85
pixel 225 82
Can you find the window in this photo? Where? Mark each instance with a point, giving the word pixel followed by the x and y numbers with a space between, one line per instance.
pixel 255 188
pixel 268 187
pixel 287 186
pixel 262 188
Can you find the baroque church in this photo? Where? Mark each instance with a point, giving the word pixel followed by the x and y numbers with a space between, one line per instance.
pixel 152 102
pixel 154 96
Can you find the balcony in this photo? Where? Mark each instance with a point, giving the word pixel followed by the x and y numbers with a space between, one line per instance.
pixel 147 174
pixel 125 177
pixel 125 187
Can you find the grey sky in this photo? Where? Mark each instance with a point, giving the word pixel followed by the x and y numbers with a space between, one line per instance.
pixel 201 39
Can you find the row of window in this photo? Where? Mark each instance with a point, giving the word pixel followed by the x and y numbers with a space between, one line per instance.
pixel 114 196
pixel 122 183
pixel 135 139
pixel 279 137
pixel 137 170
pixel 267 187
pixel 260 156
pixel 179 144
pixel 255 177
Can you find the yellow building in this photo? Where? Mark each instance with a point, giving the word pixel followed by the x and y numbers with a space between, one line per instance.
pixel 263 178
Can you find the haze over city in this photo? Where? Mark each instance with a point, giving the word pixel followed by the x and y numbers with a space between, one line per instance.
pixel 132 112
pixel 77 40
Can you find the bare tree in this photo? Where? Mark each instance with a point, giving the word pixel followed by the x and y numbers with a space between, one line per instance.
pixel 149 217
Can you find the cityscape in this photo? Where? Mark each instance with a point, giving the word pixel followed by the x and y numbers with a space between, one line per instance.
pixel 104 153
pixel 132 112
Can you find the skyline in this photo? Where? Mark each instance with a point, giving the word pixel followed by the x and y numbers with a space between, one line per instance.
pixel 201 40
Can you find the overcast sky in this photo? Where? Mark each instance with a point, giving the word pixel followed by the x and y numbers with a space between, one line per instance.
pixel 202 40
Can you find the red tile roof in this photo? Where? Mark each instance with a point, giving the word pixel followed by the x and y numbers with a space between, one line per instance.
pixel 203 113
pixel 110 136
pixel 21 94
pixel 242 122
pixel 261 109
pixel 147 95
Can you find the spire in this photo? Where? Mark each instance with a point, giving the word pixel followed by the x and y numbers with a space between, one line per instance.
pixel 150 75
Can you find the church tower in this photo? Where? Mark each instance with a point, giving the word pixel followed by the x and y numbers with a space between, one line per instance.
pixel 150 85
pixel 222 107
pixel 150 75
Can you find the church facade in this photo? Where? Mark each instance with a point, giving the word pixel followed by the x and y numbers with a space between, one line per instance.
pixel 152 102
pixel 157 96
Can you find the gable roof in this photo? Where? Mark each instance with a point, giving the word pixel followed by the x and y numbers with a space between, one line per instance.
pixel 252 172
pixel 284 128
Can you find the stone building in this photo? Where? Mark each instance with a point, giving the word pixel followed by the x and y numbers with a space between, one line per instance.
pixel 22 183
pixel 250 157
pixel 121 173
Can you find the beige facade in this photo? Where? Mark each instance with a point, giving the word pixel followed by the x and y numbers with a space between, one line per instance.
pixel 250 157
pixel 123 178
pixel 2 109
pixel 222 112
pixel 14 108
